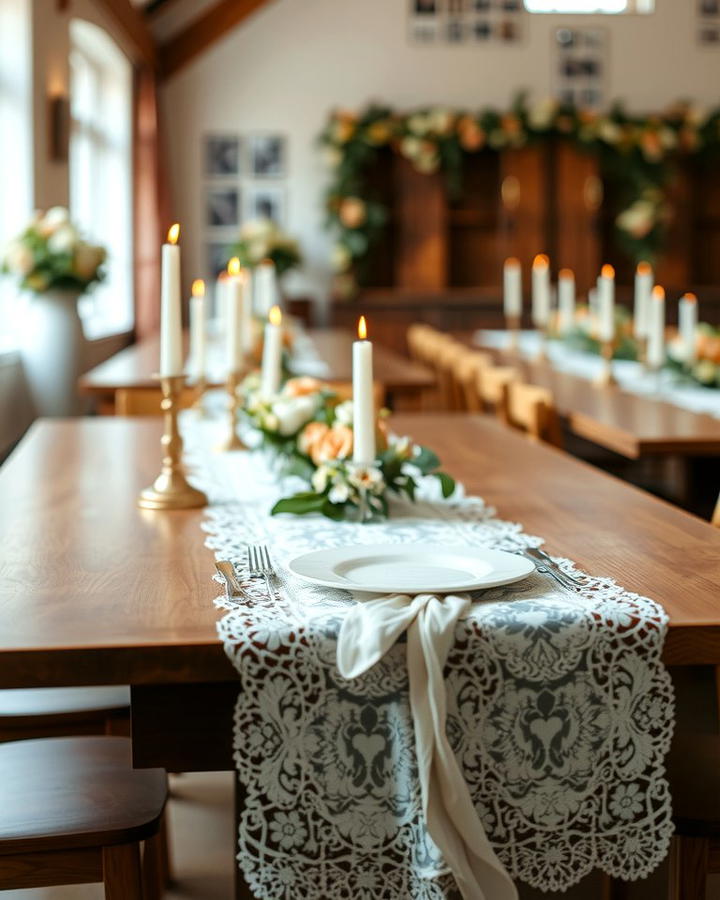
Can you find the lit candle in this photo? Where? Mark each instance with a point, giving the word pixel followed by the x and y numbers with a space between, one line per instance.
pixel 246 310
pixel 220 301
pixel 272 354
pixel 656 328
pixel 566 299
pixel 198 335
pixel 363 401
pixel 171 353
pixel 688 318
pixel 606 304
pixel 643 290
pixel 233 291
pixel 265 288
pixel 541 291
pixel 512 288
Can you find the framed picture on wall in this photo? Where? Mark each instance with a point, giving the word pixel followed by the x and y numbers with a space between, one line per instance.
pixel 580 66
pixel 267 155
pixel 222 207
pixel 222 154
pixel 265 201
pixel 465 22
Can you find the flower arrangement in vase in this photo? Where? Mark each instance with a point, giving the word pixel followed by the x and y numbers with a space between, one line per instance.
pixel 262 239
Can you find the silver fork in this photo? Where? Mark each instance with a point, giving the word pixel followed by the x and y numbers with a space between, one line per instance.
pixel 547 560
pixel 260 565
pixel 233 588
pixel 548 568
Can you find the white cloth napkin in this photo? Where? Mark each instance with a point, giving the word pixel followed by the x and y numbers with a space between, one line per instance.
pixel 368 631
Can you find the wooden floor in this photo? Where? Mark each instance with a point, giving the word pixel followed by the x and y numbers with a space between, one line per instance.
pixel 201 823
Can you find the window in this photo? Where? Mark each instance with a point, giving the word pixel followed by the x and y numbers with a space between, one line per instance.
pixel 101 169
pixel 15 147
pixel 590 6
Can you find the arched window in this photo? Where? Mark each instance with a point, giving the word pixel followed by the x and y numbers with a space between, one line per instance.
pixel 590 6
pixel 16 146
pixel 101 168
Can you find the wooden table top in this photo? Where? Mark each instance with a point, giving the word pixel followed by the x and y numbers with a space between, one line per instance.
pixel 134 366
pixel 94 590
pixel 630 424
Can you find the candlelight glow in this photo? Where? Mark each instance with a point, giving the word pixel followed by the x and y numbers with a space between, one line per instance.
pixel 234 266
pixel 174 234
pixel 644 268
pixel 691 298
pixel 198 288
pixel 658 292
pixel 362 328
pixel 512 263
pixel 541 261
pixel 607 271
pixel 275 316
pixel 566 273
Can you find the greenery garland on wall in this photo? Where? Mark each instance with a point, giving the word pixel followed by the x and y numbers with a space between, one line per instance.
pixel 637 151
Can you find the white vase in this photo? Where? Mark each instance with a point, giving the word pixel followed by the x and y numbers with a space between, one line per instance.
pixel 53 352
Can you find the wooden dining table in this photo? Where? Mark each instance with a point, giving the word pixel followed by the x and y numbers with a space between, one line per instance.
pixel 635 426
pixel 95 591
pixel 132 368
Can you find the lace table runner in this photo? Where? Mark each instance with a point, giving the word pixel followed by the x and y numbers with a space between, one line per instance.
pixel 559 712
pixel 631 376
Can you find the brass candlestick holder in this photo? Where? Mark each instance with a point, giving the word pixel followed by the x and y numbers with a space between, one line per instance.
pixel 542 354
pixel 513 328
pixel 233 441
pixel 200 388
pixel 641 343
pixel 606 378
pixel 170 489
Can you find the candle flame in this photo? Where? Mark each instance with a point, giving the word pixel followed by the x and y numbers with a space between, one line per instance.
pixel 234 266
pixel 198 288
pixel 691 298
pixel 566 273
pixel 644 268
pixel 362 328
pixel 174 233
pixel 541 261
pixel 275 315
pixel 658 292
pixel 607 271
pixel 512 263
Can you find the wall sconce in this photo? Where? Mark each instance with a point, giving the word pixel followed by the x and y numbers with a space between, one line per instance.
pixel 58 128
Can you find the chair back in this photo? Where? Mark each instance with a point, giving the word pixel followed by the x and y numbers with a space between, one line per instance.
pixel 467 364
pixel 716 515
pixel 532 409
pixel 491 382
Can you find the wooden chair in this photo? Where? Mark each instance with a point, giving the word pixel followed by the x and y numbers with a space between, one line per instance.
pixel 415 337
pixel 491 382
pixel 716 515
pixel 532 409
pixel 146 401
pixel 466 368
pixel 74 811
pixel 62 712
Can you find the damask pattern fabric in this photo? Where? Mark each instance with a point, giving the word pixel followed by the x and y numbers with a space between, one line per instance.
pixel 560 714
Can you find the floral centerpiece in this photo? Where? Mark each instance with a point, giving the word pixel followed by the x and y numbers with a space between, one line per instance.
pixel 262 239
pixel 311 428
pixel 582 335
pixel 50 255
pixel 706 369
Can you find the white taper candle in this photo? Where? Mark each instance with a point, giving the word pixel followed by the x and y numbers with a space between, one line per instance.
pixel 271 373
pixel 656 328
pixel 171 353
pixel 198 329
pixel 233 292
pixel 643 290
pixel 512 288
pixel 606 304
pixel 688 320
pixel 541 291
pixel 363 398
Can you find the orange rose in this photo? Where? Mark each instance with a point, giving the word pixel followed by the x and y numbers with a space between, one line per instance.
pixel 302 385
pixel 651 146
pixel 311 436
pixel 352 212
pixel 336 443
pixel 511 125
pixel 471 135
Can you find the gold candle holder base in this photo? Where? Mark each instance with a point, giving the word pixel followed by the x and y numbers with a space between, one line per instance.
pixel 642 352
pixel 606 378
pixel 170 489
pixel 232 441
pixel 200 388
pixel 542 354
pixel 513 329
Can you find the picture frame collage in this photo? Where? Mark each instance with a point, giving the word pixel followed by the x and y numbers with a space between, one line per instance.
pixel 244 179
pixel 708 30
pixel 581 62
pixel 465 22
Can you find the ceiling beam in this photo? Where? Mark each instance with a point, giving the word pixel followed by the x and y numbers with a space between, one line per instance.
pixel 133 25
pixel 204 31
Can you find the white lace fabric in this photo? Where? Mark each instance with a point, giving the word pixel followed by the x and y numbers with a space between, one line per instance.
pixel 559 713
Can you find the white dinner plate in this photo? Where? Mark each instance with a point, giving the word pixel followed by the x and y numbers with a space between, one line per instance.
pixel 410 568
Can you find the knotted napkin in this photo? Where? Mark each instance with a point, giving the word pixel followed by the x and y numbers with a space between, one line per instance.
pixel 367 633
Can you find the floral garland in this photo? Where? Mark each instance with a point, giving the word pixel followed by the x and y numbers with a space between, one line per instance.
pixel 262 239
pixel 637 151
pixel 706 369
pixel 309 429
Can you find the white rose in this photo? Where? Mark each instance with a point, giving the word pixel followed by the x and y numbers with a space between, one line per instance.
pixel 271 422
pixel 63 240
pixel 52 220
pixel 676 349
pixel 542 114
pixel 257 250
pixel 257 228
pixel 339 493
pixel 294 412
pixel 609 132
pixel 344 412
pixel 368 477
pixel 638 219
pixel 410 147
pixel 419 123
pixel 341 257
pixel 320 478
pixel 441 120
pixel 19 259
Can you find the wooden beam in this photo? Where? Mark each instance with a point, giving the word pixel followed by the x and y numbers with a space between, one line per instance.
pixel 156 8
pixel 204 31
pixel 133 25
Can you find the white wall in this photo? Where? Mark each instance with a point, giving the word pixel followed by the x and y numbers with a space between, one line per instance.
pixel 295 59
